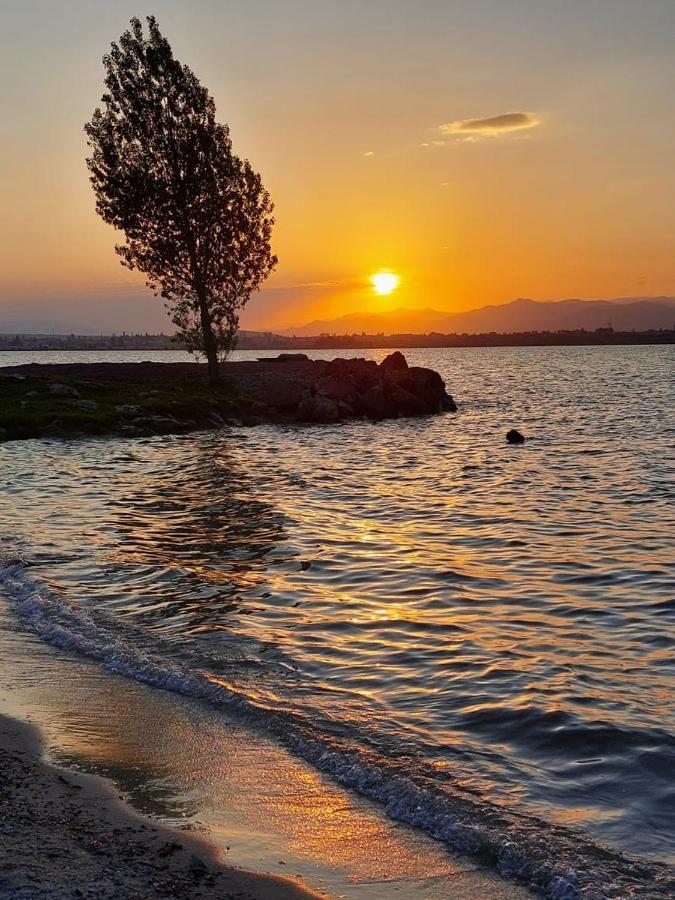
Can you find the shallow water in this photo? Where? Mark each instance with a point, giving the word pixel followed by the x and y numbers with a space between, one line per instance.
pixel 477 635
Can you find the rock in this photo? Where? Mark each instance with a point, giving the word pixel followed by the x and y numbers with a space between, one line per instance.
pixel 424 384
pixel 334 388
pixel 374 403
pixel 169 848
pixel 406 403
pixel 345 410
pixel 13 376
pixel 32 394
pixel 87 405
pixel 3 434
pixel 128 411
pixel 162 424
pixel 284 393
pixel 63 390
pixel 289 357
pixel 198 867
pixel 515 437
pixel 314 408
pixel 53 428
pixel 361 373
pixel 394 362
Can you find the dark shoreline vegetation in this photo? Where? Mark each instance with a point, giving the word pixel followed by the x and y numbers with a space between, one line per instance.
pixel 266 340
pixel 147 398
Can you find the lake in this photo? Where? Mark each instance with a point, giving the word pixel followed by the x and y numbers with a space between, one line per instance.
pixel 475 635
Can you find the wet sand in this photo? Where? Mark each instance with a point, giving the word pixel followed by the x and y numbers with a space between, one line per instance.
pixel 68 835
pixel 192 768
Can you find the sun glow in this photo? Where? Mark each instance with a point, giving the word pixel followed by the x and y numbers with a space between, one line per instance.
pixel 384 282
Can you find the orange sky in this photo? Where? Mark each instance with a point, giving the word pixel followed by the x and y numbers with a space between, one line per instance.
pixel 383 132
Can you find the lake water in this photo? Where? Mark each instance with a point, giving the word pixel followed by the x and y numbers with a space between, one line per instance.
pixel 478 636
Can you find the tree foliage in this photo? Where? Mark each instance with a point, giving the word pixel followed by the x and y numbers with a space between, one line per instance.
pixel 196 218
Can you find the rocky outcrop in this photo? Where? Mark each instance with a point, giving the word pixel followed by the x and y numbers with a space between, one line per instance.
pixel 360 388
pixel 150 398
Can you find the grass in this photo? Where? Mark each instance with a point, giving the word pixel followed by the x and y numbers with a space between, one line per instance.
pixel 29 409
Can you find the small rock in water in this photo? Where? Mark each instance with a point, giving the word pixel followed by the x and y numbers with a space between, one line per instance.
pixel 515 437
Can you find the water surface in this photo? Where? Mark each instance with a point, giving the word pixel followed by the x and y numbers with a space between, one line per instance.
pixel 425 612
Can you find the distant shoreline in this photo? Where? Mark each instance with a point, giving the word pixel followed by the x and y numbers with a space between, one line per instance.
pixel 268 341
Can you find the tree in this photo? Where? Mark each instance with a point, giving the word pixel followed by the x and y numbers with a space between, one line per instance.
pixel 196 218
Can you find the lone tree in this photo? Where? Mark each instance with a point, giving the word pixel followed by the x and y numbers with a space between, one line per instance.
pixel 196 218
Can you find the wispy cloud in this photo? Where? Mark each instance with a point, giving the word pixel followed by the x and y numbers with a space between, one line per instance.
pixel 304 285
pixel 491 126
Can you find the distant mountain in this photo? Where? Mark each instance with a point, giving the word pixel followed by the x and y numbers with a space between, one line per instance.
pixel 623 314
pixel 400 320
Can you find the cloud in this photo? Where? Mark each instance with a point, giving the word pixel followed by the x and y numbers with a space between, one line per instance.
pixel 304 285
pixel 491 126
pixel 369 153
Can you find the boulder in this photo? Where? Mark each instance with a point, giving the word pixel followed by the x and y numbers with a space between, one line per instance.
pixel 284 392
pixel 63 390
pixel 128 411
pixel 405 403
pixel 394 362
pixel 515 437
pixel 334 388
pixel 314 408
pixel 425 384
pixel 86 405
pixel 375 404
pixel 361 373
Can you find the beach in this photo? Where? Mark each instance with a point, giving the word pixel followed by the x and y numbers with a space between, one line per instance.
pixel 65 834
pixel 152 798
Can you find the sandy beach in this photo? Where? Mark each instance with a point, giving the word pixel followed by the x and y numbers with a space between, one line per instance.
pixel 68 835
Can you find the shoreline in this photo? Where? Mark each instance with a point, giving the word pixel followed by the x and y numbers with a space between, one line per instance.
pixel 146 399
pixel 68 834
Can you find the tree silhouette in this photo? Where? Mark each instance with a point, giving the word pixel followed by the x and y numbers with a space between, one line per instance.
pixel 197 218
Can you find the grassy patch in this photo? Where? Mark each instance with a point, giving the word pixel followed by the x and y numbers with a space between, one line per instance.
pixel 29 408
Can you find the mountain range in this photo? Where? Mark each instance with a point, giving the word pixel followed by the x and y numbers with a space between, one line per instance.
pixel 622 314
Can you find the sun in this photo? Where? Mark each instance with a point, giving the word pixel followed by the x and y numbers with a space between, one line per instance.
pixel 384 282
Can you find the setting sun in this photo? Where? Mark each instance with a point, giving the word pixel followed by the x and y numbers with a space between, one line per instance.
pixel 384 282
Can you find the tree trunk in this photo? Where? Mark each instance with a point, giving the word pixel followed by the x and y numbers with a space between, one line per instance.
pixel 210 348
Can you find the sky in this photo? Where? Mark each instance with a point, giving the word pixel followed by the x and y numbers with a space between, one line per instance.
pixel 481 151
